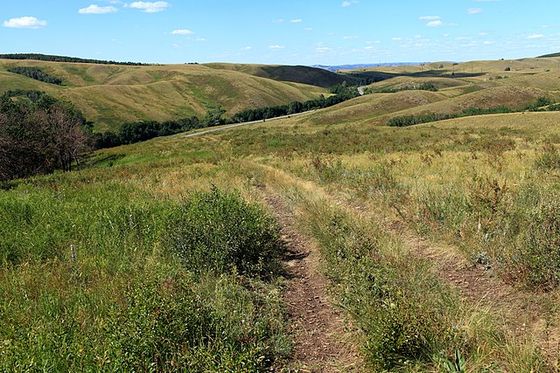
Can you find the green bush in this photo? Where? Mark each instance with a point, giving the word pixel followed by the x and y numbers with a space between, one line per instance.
pixel 220 232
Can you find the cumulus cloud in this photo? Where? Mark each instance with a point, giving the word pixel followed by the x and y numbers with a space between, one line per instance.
pixel 473 11
pixel 182 31
pixel 276 46
pixel 25 22
pixel 297 20
pixel 149 7
pixel 96 9
pixel 535 36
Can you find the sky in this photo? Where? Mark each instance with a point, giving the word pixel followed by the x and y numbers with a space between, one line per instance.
pixel 307 32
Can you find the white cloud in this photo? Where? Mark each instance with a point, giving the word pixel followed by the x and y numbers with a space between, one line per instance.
pixel 430 18
pixel 323 49
pixel 246 48
pixel 182 31
pixel 149 7
pixel 435 23
pixel 348 3
pixel 432 21
pixel 25 22
pixel 535 36
pixel 473 11
pixel 96 9
pixel 297 20
pixel 276 46
pixel 487 42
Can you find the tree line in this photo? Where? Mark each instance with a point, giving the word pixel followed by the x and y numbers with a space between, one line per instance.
pixel 341 93
pixel 39 134
pixel 35 73
pixel 46 57
pixel 541 104
pixel 134 132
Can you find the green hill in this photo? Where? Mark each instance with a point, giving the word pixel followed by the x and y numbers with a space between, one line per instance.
pixel 112 94
pixel 296 74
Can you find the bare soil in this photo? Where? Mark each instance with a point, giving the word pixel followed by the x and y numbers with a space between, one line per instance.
pixel 322 340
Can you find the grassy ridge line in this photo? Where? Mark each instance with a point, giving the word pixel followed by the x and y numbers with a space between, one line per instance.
pixel 110 95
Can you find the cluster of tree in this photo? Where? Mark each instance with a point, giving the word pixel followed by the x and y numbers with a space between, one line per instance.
pixel 35 73
pixel 134 132
pixel 411 120
pixel 541 104
pixel 39 134
pixel 341 93
pixel 46 57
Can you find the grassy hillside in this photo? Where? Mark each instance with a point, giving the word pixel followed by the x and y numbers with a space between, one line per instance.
pixel 297 74
pixel 438 243
pixel 110 95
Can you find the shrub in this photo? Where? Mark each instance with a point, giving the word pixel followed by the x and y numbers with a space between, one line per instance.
pixel 220 232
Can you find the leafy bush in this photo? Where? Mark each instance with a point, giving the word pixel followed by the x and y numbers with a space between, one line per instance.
pixel 220 232
pixel 39 134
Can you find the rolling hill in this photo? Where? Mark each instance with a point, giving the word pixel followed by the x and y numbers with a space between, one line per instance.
pixel 297 74
pixel 112 94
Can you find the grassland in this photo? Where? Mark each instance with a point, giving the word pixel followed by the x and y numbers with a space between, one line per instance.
pixel 439 241
pixel 110 95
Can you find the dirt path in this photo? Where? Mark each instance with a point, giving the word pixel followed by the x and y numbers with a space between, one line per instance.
pixel 526 314
pixel 322 342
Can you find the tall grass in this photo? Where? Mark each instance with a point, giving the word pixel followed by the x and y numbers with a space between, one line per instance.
pixel 89 281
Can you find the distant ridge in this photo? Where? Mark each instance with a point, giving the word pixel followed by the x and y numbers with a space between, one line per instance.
pixel 336 68
pixel 549 55
pixel 53 58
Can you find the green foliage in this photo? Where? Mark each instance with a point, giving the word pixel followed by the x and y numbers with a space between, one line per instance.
pixel 35 73
pixel 134 132
pixel 45 57
pixel 220 232
pixel 426 86
pixel 411 120
pixel 214 116
pixel 539 104
pixel 86 287
pixel 39 134
pixel 340 92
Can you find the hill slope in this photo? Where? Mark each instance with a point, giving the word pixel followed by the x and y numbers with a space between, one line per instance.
pixel 112 94
pixel 296 74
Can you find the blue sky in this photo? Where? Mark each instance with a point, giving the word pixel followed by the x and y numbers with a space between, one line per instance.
pixel 282 31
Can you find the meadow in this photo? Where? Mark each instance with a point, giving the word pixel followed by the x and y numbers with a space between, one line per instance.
pixel 439 241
